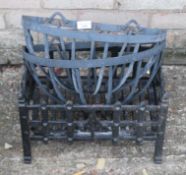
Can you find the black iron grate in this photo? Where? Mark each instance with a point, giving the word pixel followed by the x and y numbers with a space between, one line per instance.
pixel 104 82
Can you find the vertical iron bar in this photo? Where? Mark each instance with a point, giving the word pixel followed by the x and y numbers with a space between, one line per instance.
pixel 92 118
pixel 101 73
pixel 140 125
pixel 109 92
pixel 91 70
pixel 151 99
pixel 70 127
pixel 161 130
pixel 116 122
pixel 44 116
pixel 25 131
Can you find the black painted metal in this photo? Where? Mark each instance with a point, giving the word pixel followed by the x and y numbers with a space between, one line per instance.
pixel 92 84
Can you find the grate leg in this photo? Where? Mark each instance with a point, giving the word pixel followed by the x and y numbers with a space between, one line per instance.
pixel 25 134
pixel 161 132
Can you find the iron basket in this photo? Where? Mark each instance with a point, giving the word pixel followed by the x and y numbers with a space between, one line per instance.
pixel 86 80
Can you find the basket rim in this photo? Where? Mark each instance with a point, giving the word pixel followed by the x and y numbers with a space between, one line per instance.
pixel 146 35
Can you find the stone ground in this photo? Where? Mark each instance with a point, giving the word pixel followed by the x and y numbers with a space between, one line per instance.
pixel 83 157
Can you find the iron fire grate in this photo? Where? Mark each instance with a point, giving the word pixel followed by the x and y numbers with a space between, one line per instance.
pixel 89 80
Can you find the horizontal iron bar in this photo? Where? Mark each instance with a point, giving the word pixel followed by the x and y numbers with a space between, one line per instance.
pixel 95 107
pixel 93 63
pixel 82 46
pixel 97 136
pixel 103 122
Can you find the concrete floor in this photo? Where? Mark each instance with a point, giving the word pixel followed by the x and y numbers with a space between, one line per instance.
pixel 84 157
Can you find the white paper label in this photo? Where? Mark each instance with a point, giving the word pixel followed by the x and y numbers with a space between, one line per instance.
pixel 148 72
pixel 84 24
